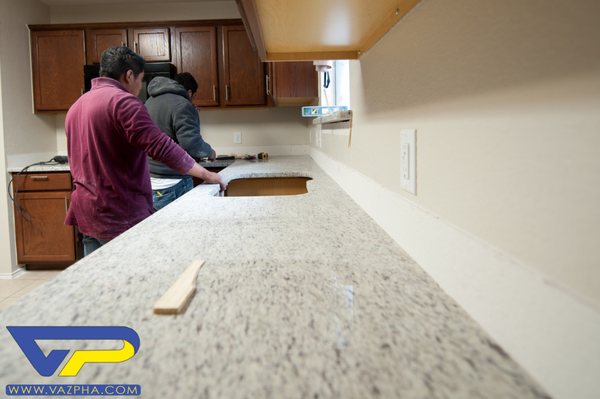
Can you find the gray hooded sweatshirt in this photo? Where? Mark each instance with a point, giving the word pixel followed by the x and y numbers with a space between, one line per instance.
pixel 171 109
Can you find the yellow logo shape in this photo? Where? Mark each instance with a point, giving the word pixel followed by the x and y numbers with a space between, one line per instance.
pixel 81 357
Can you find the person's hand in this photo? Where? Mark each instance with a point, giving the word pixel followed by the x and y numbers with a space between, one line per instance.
pixel 212 156
pixel 207 176
pixel 223 185
pixel 217 179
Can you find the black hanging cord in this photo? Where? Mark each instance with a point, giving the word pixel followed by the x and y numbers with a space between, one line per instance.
pixel 57 160
pixel 326 79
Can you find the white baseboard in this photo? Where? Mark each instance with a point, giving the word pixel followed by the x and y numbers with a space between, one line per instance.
pixel 550 333
pixel 14 274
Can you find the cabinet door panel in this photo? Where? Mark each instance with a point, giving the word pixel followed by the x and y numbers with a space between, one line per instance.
pixel 197 54
pixel 98 40
pixel 244 79
pixel 152 43
pixel 295 79
pixel 57 60
pixel 42 236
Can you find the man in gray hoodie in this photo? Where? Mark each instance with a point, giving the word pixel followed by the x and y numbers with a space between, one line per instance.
pixel 170 107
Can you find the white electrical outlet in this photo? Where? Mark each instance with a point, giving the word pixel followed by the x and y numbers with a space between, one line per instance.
pixel 237 137
pixel 408 160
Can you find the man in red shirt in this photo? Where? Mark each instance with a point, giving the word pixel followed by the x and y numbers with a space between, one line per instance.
pixel 109 136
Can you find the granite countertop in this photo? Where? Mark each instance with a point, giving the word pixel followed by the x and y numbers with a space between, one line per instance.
pixel 56 167
pixel 300 297
pixel 43 167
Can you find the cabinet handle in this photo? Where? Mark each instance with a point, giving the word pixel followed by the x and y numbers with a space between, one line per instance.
pixel 66 205
pixel 123 44
pixel 135 44
pixel 82 92
pixel 34 177
pixel 214 93
pixel 226 92
pixel 267 84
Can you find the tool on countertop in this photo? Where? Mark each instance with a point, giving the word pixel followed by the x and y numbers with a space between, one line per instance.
pixel 176 299
pixel 225 157
pixel 61 159
pixel 262 155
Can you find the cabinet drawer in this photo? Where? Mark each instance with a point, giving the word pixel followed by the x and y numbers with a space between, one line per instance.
pixel 42 181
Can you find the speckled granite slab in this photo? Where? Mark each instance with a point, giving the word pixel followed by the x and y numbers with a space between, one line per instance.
pixel 300 297
pixel 50 167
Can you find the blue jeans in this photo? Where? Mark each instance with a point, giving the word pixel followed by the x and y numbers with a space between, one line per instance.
pixel 90 244
pixel 162 198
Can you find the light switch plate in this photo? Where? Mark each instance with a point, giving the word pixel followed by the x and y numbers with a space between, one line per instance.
pixel 237 137
pixel 408 160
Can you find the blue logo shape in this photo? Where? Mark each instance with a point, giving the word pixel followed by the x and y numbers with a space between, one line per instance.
pixel 47 365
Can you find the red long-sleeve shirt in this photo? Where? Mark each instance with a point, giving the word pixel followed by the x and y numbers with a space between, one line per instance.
pixel 109 135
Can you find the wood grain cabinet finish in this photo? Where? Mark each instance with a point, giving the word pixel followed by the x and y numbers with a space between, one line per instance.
pixel 293 83
pixel 98 40
pixel 243 75
pixel 217 52
pixel 196 53
pixel 41 203
pixel 154 44
pixel 57 61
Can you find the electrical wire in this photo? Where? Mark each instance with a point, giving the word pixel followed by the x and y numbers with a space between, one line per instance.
pixel 10 183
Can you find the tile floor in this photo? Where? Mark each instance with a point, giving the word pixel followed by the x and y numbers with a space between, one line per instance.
pixel 12 290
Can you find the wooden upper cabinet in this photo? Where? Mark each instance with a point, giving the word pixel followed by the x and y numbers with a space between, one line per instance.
pixel 98 40
pixel 293 83
pixel 57 61
pixel 243 75
pixel 154 44
pixel 217 53
pixel 196 53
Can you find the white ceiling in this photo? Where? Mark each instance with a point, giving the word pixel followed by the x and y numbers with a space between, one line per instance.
pixel 89 2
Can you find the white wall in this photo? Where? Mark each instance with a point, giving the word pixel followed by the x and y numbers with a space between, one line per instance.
pixel 505 98
pixel 280 131
pixel 5 222
pixel 275 130
pixel 25 137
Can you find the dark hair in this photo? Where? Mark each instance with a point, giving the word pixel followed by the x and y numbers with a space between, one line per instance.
pixel 187 81
pixel 116 61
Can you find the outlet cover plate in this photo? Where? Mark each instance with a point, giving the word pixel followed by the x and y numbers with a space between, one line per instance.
pixel 237 137
pixel 408 160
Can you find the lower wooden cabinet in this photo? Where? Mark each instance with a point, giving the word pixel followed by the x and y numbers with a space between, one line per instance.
pixel 41 203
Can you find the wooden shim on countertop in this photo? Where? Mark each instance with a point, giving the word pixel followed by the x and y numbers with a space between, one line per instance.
pixel 179 295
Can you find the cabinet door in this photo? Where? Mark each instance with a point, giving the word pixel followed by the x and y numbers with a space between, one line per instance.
pixel 294 83
pixel 196 53
pixel 243 73
pixel 152 43
pixel 98 40
pixel 57 61
pixel 42 236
